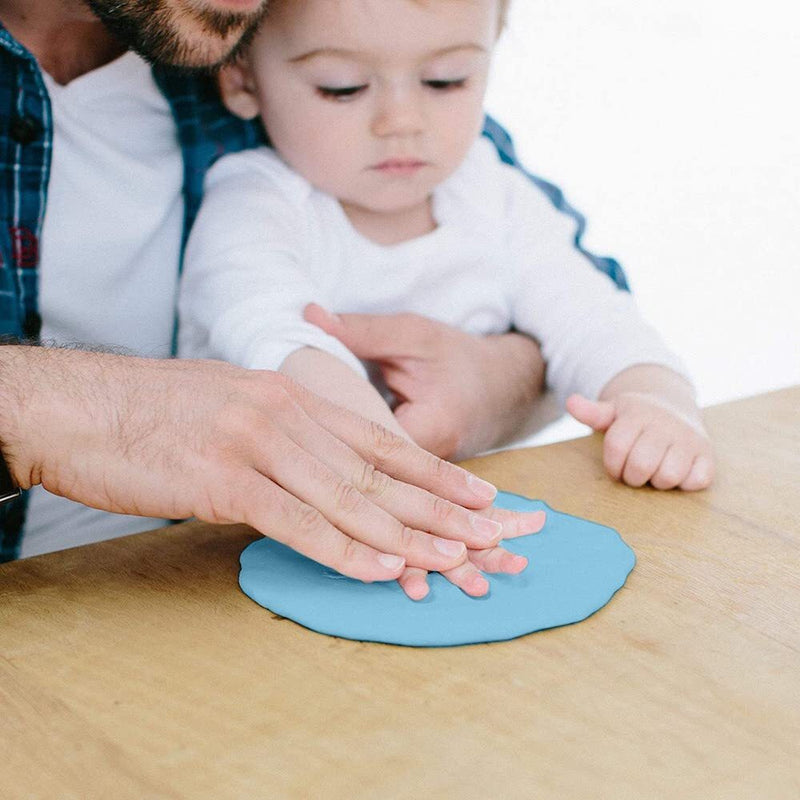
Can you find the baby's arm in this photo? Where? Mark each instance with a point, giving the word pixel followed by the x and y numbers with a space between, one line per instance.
pixel 612 369
pixel 329 377
pixel 653 429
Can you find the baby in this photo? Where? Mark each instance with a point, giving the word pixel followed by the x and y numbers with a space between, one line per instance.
pixel 378 195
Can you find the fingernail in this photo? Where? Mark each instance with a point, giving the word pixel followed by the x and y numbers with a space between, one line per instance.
pixel 449 547
pixel 420 592
pixel 534 521
pixel 520 563
pixel 480 488
pixel 391 562
pixel 487 529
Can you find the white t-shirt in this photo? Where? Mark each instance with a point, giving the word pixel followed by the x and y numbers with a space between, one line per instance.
pixel 266 243
pixel 110 248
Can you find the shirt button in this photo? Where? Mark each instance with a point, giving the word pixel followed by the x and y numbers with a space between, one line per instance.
pixel 24 130
pixel 31 325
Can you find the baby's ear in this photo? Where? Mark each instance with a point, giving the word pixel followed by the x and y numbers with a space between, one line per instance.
pixel 238 89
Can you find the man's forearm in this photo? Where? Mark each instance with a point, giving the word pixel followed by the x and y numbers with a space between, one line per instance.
pixel 512 373
pixel 520 368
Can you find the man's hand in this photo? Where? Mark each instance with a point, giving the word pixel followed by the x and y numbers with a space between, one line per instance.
pixel 653 430
pixel 457 394
pixel 327 376
pixel 177 439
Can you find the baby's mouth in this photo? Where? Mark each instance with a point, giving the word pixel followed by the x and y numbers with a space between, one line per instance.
pixel 400 166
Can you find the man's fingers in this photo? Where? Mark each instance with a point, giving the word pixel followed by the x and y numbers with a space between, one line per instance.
pixel 598 415
pixel 420 508
pixel 415 507
pixel 371 336
pixel 279 515
pixel 423 511
pixel 395 456
pixel 516 523
pixel 344 506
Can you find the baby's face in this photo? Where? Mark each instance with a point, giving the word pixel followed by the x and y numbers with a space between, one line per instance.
pixel 373 101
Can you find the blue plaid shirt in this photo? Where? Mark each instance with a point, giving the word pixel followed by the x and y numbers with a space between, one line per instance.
pixel 205 130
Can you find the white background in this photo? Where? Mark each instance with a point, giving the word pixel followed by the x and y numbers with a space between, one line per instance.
pixel 673 126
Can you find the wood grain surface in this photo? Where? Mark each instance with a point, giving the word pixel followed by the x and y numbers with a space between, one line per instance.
pixel 137 669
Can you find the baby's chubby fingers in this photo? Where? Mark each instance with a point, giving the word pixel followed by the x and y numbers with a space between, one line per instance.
pixel 619 441
pixel 468 578
pixel 413 582
pixel 598 414
pixel 498 560
pixel 645 457
pixel 674 468
pixel 667 449
pixel 700 475
pixel 493 560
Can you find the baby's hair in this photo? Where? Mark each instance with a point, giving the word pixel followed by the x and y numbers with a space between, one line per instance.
pixel 502 12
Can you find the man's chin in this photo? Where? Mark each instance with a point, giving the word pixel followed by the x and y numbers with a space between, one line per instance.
pixel 166 32
pixel 193 55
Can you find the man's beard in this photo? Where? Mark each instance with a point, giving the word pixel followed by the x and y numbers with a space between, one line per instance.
pixel 199 39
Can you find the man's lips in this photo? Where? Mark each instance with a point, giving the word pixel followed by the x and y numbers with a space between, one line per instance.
pixel 400 166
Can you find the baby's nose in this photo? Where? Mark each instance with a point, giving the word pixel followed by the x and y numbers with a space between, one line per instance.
pixel 399 114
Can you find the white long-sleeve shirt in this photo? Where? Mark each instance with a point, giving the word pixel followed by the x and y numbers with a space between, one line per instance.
pixel 267 242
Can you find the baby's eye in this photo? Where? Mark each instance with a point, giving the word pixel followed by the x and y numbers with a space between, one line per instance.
pixel 341 92
pixel 446 85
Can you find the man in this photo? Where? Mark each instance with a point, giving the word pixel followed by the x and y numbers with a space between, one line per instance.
pixel 169 439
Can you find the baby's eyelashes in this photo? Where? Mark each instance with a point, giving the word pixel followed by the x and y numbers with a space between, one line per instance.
pixel 445 85
pixel 344 93
pixel 341 92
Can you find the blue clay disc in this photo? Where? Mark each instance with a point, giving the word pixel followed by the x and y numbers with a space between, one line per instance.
pixel 575 567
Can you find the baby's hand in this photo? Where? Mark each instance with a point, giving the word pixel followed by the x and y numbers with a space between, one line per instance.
pixel 467 576
pixel 649 439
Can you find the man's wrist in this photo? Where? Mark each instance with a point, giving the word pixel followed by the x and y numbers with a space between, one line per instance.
pixel 15 366
pixel 512 364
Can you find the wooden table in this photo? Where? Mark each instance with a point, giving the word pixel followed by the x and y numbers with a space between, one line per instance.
pixel 137 669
